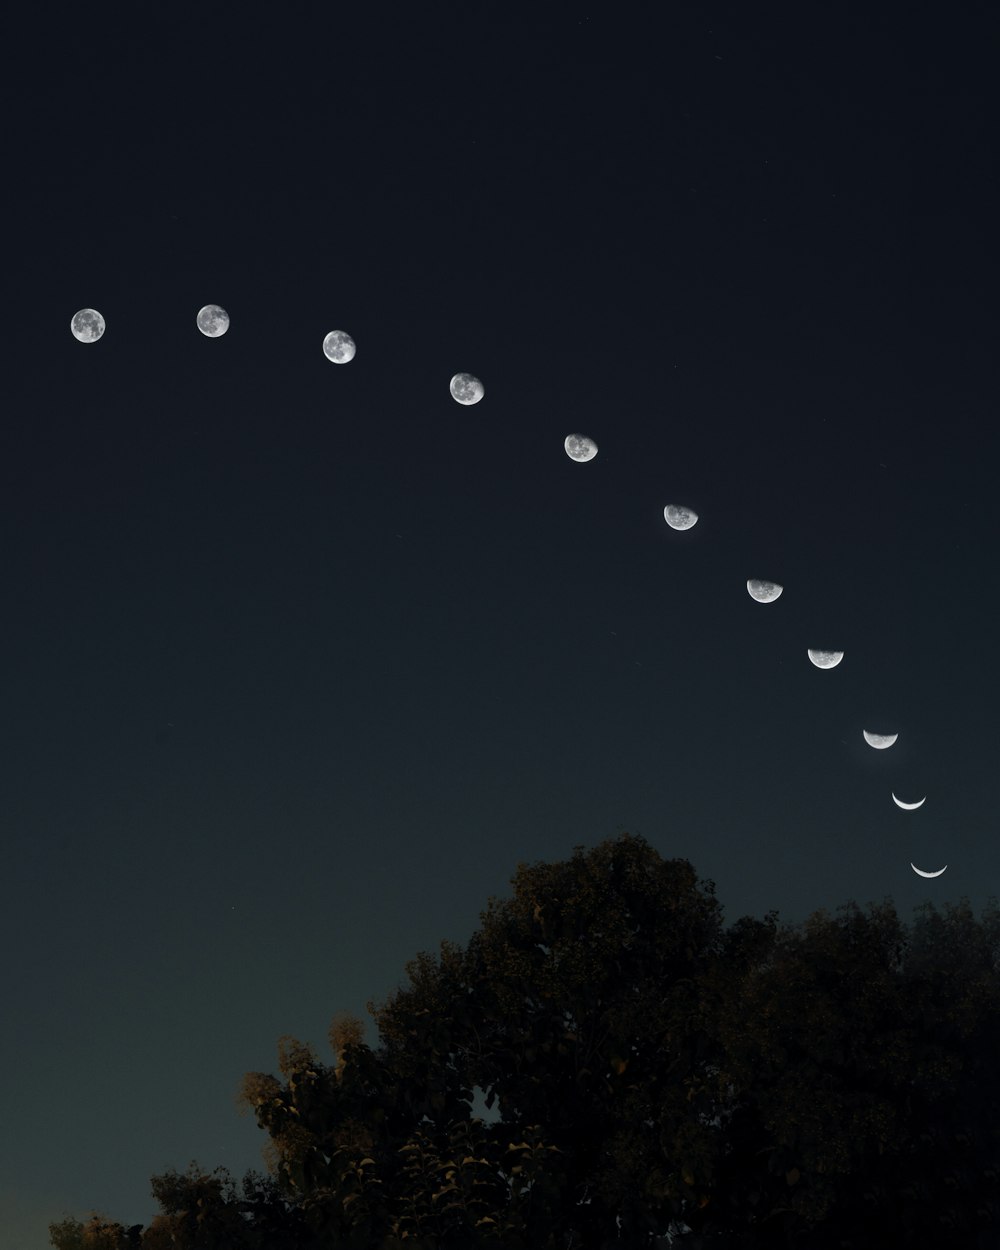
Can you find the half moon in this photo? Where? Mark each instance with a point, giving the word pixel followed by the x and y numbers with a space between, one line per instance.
pixel 579 447
pixel 762 591
pixel 909 807
pixel 825 659
pixel 678 517
pixel 879 741
pixel 921 872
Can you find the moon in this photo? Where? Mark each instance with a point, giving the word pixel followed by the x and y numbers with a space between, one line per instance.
pixel 909 807
pixel 879 741
pixel 678 517
pixel 580 448
pixel 213 321
pixel 87 325
pixel 764 592
pixel 826 659
pixel 921 872
pixel 339 347
pixel 467 389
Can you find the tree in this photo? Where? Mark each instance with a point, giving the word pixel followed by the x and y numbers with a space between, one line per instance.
pixel 200 1211
pixel 574 1005
pixel 760 1086
pixel 376 1154
pixel 579 1010
pixel 97 1234
pixel 871 1111
pixel 825 1086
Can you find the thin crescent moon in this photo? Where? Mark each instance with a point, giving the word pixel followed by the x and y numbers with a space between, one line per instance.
pixel 909 807
pixel 927 874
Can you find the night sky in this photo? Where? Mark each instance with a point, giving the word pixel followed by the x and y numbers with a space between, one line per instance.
pixel 301 659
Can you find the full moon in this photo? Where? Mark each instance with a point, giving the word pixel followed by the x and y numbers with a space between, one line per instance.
pixel 826 659
pixel 909 807
pixel 678 517
pixel 927 874
pixel 213 321
pixel 87 325
pixel 339 347
pixel 879 741
pixel 579 447
pixel 764 592
pixel 467 389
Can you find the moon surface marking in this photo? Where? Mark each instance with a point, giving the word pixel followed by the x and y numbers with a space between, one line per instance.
pixel 213 321
pixel 679 517
pixel 580 448
pixel 87 325
pixel 339 347
pixel 466 388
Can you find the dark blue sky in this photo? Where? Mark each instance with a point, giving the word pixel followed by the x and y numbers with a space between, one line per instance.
pixel 301 660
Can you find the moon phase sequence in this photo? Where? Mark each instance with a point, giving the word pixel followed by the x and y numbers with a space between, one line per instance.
pixel 88 326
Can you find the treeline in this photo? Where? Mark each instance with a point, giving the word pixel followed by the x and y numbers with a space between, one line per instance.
pixel 830 1086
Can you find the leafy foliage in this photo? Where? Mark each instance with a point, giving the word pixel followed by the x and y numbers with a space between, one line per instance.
pixel 199 1212
pixel 826 1086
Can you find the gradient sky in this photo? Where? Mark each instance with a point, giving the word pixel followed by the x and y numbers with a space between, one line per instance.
pixel 301 660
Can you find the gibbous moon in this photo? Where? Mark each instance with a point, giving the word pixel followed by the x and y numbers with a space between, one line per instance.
pixel 764 592
pixel 879 741
pixel 927 874
pixel 87 325
pixel 467 389
pixel 826 659
pixel 909 807
pixel 580 447
pixel 678 517
pixel 213 321
pixel 338 346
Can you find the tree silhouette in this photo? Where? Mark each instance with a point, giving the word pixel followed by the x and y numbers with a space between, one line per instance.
pixel 199 1212
pixel 825 1087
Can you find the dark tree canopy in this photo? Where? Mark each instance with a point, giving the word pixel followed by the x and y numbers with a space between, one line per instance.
pixel 825 1087
pixel 199 1212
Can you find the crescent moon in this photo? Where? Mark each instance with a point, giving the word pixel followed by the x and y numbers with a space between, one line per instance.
pixel 909 807
pixel 921 872
pixel 879 741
